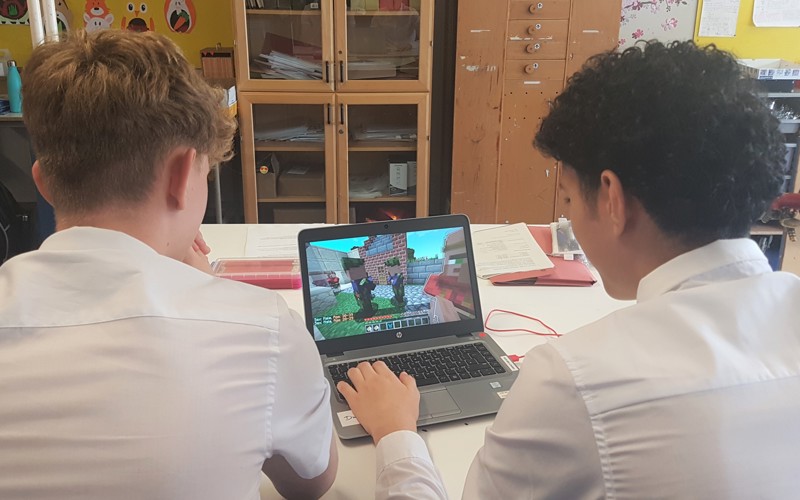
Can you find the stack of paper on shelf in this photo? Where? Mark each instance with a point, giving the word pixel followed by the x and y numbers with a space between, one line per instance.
pixel 365 70
pixel 279 66
pixel 297 133
pixel 384 133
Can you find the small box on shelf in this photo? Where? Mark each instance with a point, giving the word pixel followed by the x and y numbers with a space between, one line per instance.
pixel 402 176
pixel 217 63
pixel 301 181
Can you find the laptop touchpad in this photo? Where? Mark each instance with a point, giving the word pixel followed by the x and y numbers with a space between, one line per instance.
pixel 437 404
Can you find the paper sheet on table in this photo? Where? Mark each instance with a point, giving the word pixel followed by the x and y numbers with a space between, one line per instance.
pixel 776 13
pixel 718 18
pixel 274 240
pixel 507 249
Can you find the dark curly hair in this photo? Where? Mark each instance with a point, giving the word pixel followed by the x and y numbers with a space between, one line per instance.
pixel 686 135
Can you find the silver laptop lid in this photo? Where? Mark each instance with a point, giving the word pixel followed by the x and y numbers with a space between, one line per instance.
pixel 368 285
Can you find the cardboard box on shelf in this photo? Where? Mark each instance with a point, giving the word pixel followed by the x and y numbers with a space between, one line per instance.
pixel 217 63
pixel 303 215
pixel 298 215
pixel 301 181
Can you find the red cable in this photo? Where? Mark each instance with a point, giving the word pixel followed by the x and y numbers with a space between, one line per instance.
pixel 551 332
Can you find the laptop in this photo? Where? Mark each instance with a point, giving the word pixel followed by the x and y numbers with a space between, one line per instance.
pixel 404 292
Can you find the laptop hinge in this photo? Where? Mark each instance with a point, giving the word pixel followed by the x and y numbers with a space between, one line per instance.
pixel 334 354
pixel 460 335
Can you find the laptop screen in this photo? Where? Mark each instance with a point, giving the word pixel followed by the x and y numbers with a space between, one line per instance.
pixel 390 283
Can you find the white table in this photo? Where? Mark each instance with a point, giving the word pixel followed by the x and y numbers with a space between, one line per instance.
pixel 452 445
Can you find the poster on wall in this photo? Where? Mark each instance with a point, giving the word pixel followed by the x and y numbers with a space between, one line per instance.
pixel 663 20
pixel 14 12
pixel 776 13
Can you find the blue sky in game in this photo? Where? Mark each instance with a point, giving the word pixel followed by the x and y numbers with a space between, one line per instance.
pixel 425 243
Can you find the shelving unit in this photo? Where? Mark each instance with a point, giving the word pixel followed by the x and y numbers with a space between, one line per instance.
pixel 349 80
pixel 772 234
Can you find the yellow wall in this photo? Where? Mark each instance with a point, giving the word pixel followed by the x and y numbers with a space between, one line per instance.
pixel 756 43
pixel 213 26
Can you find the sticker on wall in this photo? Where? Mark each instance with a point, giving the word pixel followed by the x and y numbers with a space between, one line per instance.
pixel 663 20
pixel 137 22
pixel 13 12
pixel 63 15
pixel 180 15
pixel 96 16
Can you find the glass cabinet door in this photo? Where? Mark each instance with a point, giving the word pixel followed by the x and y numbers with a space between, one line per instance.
pixel 288 157
pixel 382 154
pixel 383 45
pixel 288 44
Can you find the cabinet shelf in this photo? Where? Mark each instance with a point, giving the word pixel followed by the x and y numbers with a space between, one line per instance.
pixel 382 146
pixel 275 12
pixel 289 146
pixel 383 199
pixel 382 13
pixel 293 199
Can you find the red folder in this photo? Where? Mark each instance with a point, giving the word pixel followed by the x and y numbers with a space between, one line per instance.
pixel 564 272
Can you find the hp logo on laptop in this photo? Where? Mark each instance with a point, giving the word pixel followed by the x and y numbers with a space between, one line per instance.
pixel 399 335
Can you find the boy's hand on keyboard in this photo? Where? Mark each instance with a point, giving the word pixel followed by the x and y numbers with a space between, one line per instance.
pixel 382 402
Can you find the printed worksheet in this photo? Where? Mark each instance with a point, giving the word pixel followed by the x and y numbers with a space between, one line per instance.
pixel 507 249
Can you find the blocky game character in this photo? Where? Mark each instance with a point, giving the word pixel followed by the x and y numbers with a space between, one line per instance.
pixel 451 289
pixel 333 282
pixel 362 285
pixel 397 280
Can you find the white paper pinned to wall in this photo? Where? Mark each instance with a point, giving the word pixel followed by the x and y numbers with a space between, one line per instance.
pixel 718 18
pixel 776 13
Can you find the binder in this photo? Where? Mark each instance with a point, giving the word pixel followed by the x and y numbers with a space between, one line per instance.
pixel 564 272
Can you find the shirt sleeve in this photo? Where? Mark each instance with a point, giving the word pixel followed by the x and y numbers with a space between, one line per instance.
pixel 405 469
pixel 301 424
pixel 541 444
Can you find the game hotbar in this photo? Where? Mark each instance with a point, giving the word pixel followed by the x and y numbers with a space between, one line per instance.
pixel 388 282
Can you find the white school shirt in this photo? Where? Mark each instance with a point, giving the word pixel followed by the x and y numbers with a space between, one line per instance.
pixel 694 392
pixel 125 374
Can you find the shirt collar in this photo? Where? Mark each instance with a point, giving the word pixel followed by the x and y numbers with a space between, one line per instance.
pixel 95 238
pixel 718 261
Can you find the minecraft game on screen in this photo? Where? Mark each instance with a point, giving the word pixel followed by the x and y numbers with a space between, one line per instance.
pixel 380 284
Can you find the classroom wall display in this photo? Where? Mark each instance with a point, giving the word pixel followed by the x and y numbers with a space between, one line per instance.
pixel 193 25
pixel 63 15
pixel 753 42
pixel 663 20
pixel 13 12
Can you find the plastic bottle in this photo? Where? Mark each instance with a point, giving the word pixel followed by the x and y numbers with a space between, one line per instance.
pixel 14 87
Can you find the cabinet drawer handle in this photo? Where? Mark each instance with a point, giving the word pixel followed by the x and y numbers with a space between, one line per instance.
pixel 327 72
pixel 329 114
pixel 533 47
pixel 534 28
pixel 531 68
pixel 341 114
pixel 534 7
pixel 341 71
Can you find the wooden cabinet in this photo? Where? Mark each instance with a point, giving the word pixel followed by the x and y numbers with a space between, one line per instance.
pixel 329 95
pixel 513 60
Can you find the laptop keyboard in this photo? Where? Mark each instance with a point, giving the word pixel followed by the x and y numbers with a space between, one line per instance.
pixel 445 364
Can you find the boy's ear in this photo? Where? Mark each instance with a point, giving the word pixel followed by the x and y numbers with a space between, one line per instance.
pixel 41 185
pixel 179 169
pixel 616 206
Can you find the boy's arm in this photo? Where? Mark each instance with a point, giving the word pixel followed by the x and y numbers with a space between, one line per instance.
pixel 302 454
pixel 291 485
